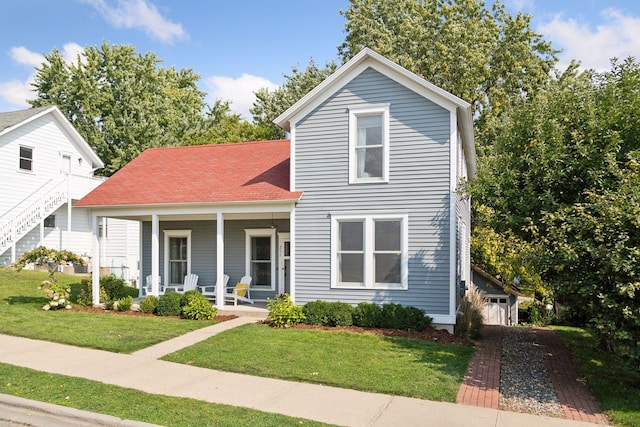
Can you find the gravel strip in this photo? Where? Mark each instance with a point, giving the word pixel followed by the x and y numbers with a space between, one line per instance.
pixel 525 385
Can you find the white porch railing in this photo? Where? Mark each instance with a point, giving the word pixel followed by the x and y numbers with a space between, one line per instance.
pixel 25 216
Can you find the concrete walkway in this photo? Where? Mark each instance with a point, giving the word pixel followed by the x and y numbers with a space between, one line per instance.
pixel 142 371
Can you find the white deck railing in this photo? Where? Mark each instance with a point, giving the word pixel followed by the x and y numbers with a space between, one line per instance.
pixel 17 222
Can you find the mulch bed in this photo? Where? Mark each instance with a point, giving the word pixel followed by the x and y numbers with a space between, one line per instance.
pixel 136 313
pixel 430 334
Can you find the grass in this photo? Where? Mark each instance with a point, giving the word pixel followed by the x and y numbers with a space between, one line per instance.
pixel 393 365
pixel 133 404
pixel 21 315
pixel 613 382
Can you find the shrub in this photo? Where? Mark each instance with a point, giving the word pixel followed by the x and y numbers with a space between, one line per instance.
pixel 169 304
pixel 186 296
pixel 149 304
pixel 197 307
pixel 114 287
pixel 340 314
pixel 85 297
pixel 316 313
pixel 470 314
pixel 58 295
pixel 283 312
pixel 396 316
pixel 125 303
pixel 367 315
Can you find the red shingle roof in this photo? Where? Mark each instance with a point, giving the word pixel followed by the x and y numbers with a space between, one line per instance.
pixel 244 172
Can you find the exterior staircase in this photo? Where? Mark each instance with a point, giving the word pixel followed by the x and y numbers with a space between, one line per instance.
pixel 29 213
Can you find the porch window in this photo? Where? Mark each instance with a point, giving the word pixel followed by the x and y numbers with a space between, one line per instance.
pixel 369 251
pixel 177 254
pixel 50 221
pixel 261 256
pixel 26 158
pixel 369 144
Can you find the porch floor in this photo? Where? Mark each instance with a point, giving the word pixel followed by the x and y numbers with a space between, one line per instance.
pixel 257 309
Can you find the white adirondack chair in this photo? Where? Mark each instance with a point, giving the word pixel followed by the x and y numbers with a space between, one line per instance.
pixel 210 291
pixel 147 285
pixel 240 292
pixel 190 284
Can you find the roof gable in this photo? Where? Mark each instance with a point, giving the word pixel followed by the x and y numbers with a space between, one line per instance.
pixel 368 58
pixel 12 120
pixel 241 172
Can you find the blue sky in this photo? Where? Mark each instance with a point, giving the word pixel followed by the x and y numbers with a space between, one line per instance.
pixel 239 46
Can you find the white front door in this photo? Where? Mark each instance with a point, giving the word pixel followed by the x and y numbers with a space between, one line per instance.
pixel 284 262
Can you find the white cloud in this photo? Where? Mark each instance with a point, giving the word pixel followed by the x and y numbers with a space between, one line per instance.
pixel 24 56
pixel 618 36
pixel 70 52
pixel 139 14
pixel 16 92
pixel 239 91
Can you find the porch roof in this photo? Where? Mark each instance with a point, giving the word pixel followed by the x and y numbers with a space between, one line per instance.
pixel 242 172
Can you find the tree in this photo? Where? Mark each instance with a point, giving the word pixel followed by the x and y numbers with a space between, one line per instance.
pixel 563 175
pixel 270 104
pixel 122 102
pixel 484 56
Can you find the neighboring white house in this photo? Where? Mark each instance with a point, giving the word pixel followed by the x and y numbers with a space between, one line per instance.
pixel 46 165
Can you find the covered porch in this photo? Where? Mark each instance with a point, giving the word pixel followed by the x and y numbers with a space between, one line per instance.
pixel 244 239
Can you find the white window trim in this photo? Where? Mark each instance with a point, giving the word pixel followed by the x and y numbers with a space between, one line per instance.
pixel 354 112
pixel 369 241
pixel 261 232
pixel 175 233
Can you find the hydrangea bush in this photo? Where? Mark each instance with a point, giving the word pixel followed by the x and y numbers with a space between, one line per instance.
pixel 58 296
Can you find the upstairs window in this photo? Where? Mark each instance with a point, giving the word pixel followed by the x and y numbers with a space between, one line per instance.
pixel 369 144
pixel 26 158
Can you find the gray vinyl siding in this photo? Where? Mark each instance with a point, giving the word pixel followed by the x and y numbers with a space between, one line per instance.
pixel 419 162
pixel 203 249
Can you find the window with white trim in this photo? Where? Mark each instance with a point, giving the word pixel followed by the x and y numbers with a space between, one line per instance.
pixel 26 158
pixel 369 251
pixel 369 144
pixel 261 257
pixel 50 221
pixel 177 256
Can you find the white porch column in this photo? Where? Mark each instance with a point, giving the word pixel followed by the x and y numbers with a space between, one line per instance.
pixel 67 244
pixel 155 255
pixel 220 290
pixel 141 272
pixel 292 253
pixel 95 263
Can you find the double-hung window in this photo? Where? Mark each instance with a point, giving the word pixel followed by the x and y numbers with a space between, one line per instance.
pixel 369 251
pixel 261 257
pixel 26 158
pixel 369 144
pixel 177 256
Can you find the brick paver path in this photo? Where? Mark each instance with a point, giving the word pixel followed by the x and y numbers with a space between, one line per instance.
pixel 575 397
pixel 481 385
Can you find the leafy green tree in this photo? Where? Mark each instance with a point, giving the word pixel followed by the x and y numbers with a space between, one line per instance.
pixel 483 55
pixel 562 175
pixel 270 104
pixel 122 102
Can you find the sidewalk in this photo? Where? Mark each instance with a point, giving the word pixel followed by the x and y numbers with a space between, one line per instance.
pixel 142 371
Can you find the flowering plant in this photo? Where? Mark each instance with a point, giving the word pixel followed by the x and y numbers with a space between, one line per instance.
pixel 58 296
pixel 52 258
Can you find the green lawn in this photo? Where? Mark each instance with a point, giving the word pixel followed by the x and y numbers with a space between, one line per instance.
pixel 21 316
pixel 133 404
pixel 399 366
pixel 614 384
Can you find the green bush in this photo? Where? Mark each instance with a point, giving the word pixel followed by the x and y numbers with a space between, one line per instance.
pixel 340 314
pixel 185 297
pixel 316 313
pixel 169 304
pixel 125 303
pixel 197 307
pixel 283 312
pixel 85 297
pixel 367 315
pixel 396 316
pixel 114 287
pixel 149 304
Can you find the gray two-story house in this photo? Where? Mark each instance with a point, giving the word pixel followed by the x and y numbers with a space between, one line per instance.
pixel 360 204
